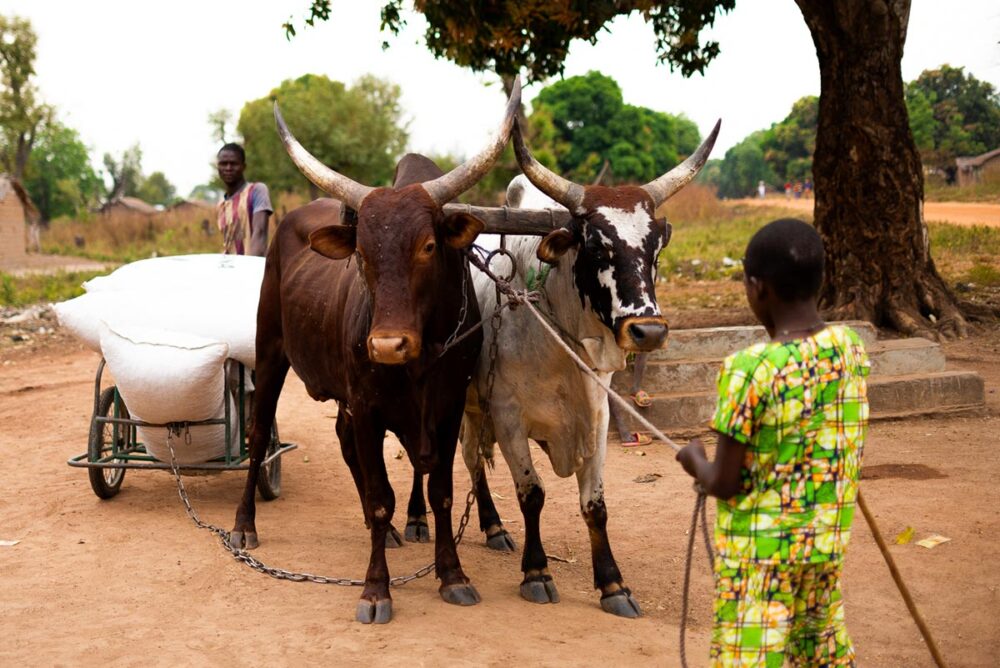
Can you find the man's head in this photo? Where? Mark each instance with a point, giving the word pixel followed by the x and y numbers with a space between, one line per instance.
pixel 783 265
pixel 231 160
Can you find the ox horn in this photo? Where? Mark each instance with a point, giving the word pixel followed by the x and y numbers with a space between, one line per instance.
pixel 446 188
pixel 346 190
pixel 564 191
pixel 662 188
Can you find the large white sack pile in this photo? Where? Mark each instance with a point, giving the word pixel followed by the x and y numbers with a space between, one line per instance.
pixel 212 295
pixel 165 327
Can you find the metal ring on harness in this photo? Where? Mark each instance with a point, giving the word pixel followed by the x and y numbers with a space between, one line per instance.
pixel 510 256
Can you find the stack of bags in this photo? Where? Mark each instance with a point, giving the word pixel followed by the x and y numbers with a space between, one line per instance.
pixel 166 328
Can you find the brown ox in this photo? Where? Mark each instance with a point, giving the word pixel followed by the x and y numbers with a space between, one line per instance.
pixel 363 313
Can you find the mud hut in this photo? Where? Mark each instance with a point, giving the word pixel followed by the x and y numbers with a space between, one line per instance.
pixel 17 214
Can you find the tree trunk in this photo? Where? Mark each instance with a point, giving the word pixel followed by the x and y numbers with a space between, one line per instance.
pixel 868 177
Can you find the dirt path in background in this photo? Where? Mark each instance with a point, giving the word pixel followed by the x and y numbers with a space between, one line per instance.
pixel 132 582
pixel 959 213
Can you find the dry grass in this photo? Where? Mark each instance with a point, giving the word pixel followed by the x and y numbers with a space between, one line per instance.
pixel 694 203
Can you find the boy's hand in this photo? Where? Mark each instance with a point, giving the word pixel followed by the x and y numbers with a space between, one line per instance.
pixel 692 456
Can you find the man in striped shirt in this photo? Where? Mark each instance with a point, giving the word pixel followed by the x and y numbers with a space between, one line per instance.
pixel 245 209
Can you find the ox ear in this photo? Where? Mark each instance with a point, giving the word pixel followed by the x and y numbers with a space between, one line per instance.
pixel 461 229
pixel 555 244
pixel 334 241
pixel 666 229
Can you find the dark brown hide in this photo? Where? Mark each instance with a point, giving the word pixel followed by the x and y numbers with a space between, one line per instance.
pixel 320 316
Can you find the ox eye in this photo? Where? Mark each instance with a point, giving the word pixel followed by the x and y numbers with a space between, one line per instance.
pixel 429 248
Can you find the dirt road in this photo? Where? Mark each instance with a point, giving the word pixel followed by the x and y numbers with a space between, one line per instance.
pixel 958 213
pixel 132 582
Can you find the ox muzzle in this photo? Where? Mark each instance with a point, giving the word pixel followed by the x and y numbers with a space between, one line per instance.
pixel 393 347
pixel 642 334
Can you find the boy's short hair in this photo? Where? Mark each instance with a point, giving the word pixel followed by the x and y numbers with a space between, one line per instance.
pixel 788 255
pixel 235 148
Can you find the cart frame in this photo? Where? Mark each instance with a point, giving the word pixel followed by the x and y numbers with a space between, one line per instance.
pixel 107 465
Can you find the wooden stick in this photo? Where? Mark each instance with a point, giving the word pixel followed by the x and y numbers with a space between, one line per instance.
pixel 910 605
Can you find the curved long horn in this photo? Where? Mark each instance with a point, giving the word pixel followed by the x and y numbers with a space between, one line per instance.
pixel 446 188
pixel 662 188
pixel 350 192
pixel 564 191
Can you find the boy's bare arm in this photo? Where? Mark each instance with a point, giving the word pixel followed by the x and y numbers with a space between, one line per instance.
pixel 720 478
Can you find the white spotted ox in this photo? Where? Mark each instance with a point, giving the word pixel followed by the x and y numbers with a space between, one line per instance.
pixel 598 290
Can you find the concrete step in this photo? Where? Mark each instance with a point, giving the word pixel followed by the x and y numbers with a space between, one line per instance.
pixel 891 357
pixel 717 342
pixel 889 397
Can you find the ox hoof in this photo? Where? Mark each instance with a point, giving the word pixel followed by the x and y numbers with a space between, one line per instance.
pixel 501 541
pixel 622 604
pixel 540 591
pixel 417 531
pixel 377 612
pixel 460 594
pixel 393 539
pixel 243 540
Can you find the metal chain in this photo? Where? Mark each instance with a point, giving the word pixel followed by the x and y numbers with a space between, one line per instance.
pixel 241 555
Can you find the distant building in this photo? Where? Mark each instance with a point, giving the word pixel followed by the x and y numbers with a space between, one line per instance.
pixel 129 205
pixel 17 213
pixel 191 206
pixel 972 170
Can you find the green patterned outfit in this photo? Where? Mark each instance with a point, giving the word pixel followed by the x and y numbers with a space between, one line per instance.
pixel 801 408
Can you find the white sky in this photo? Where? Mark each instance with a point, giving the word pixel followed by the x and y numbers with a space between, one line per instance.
pixel 122 71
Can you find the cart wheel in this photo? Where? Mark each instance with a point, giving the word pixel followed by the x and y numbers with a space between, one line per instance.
pixel 269 481
pixel 106 482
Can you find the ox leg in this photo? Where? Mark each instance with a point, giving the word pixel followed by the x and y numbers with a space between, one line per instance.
pixel 497 537
pixel 348 449
pixel 616 598
pixel 375 605
pixel 455 586
pixel 271 371
pixel 537 586
pixel 417 530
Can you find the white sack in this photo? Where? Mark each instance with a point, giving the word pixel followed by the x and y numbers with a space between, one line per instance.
pixel 166 376
pixel 221 307
pixel 207 271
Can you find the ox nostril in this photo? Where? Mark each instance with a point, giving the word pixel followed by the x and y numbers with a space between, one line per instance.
pixel 648 335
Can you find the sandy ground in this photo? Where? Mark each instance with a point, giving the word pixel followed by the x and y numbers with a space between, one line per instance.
pixel 959 213
pixel 131 581
pixel 48 264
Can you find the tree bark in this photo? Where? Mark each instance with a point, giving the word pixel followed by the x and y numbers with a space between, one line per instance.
pixel 868 177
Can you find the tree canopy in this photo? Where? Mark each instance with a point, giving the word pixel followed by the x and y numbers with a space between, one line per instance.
pixel 952 114
pixel 22 114
pixel 59 175
pixel 580 122
pixel 355 130
pixel 510 37
pixel 781 153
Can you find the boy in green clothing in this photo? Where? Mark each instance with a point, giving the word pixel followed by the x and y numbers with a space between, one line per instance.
pixel 791 420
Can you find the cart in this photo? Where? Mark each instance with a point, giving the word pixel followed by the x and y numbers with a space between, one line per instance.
pixel 113 445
